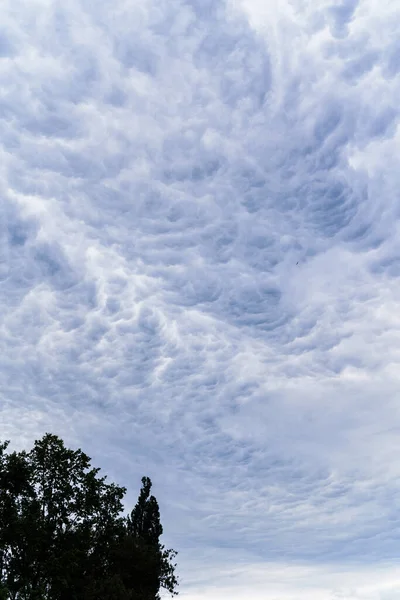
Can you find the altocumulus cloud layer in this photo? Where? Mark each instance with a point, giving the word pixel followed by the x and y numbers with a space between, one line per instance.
pixel 199 274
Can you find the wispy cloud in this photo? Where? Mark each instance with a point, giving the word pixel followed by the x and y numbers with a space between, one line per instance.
pixel 199 260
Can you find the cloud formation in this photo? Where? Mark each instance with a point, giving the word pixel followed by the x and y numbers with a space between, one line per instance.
pixel 199 261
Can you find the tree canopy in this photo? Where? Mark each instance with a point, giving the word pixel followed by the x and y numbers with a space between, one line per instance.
pixel 62 534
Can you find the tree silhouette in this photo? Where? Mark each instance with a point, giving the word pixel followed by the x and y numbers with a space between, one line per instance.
pixel 62 536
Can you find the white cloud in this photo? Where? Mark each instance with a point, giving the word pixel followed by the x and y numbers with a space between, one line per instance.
pixel 272 581
pixel 199 273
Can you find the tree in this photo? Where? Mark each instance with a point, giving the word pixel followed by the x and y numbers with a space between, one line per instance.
pixel 62 536
pixel 151 564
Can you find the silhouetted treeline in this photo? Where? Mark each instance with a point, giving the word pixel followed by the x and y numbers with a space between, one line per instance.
pixel 62 534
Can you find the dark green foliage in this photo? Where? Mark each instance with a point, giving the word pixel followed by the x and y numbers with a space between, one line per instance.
pixel 62 536
pixel 152 563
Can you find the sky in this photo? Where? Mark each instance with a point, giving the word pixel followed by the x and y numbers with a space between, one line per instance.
pixel 199 275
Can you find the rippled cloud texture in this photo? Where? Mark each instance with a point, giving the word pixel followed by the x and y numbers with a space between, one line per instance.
pixel 199 274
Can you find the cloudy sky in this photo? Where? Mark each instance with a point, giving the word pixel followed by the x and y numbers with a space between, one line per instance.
pixel 199 274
